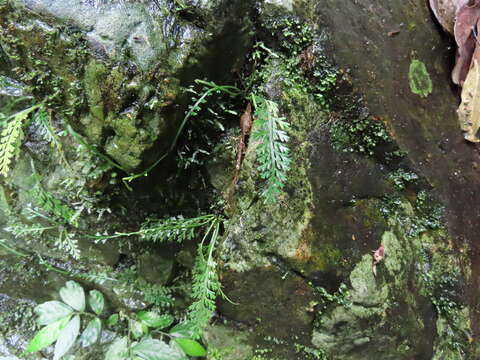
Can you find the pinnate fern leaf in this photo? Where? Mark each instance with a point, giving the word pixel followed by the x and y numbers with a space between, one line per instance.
pixel 273 154
pixel 11 138
pixel 206 284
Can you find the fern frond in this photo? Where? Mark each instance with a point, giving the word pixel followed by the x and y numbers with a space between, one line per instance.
pixel 165 230
pixel 193 110
pixel 173 229
pixel 11 139
pixel 66 242
pixel 49 133
pixel 11 250
pixel 52 205
pixel 158 295
pixel 206 284
pixel 46 130
pixel 273 153
pixel 96 278
pixel 23 230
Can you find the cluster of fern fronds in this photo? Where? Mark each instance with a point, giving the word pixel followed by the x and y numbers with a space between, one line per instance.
pixel 205 281
pixel 269 129
pixel 51 219
pixel 46 201
pixel 54 232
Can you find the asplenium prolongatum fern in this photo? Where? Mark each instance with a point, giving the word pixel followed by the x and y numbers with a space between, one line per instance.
pixel 273 154
pixel 206 285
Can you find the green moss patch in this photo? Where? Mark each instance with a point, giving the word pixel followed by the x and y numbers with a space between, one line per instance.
pixel 419 79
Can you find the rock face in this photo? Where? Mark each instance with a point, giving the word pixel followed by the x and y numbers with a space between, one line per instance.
pixel 377 159
pixel 105 71
pixel 362 192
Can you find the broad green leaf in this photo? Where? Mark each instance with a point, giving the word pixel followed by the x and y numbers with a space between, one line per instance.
pixel 118 350
pixel 73 294
pixel 67 338
pixel 183 330
pixel 155 320
pixel 91 333
pixel 191 347
pixel 47 335
pixel 96 301
pixel 153 349
pixel 112 320
pixel 51 311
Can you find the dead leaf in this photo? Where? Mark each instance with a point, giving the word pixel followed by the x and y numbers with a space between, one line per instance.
pixel 467 17
pixel 246 122
pixel 393 33
pixel 444 11
pixel 462 19
pixel 469 109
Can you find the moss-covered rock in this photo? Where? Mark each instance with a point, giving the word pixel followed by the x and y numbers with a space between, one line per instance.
pixel 298 272
pixel 350 189
pixel 112 69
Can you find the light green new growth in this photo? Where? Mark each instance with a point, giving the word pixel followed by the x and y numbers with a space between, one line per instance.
pixel 273 154
pixel 11 138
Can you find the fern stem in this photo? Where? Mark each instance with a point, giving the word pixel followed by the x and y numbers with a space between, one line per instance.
pixel 12 250
pixel 231 90
pixel 94 150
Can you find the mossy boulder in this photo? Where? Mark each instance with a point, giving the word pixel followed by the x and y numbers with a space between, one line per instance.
pixel 350 189
pixel 109 68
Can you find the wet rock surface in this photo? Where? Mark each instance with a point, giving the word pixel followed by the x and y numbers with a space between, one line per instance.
pixel 372 163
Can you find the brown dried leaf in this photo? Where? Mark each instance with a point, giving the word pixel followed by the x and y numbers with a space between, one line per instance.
pixel 444 11
pixel 463 61
pixel 469 109
pixel 467 18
